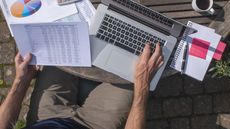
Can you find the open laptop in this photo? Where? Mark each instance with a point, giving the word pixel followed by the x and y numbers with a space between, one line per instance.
pixel 119 31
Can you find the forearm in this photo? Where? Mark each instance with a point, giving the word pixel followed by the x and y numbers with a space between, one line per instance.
pixel 137 115
pixel 10 109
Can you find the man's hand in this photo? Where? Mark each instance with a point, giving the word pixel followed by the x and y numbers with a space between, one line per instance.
pixel 24 71
pixel 10 109
pixel 146 67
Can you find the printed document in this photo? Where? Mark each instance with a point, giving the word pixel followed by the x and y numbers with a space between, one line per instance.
pixel 54 44
pixel 86 11
pixel 35 11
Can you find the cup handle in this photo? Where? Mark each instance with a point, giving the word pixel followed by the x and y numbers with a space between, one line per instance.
pixel 211 11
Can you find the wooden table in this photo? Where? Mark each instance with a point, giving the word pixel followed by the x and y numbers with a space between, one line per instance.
pixel 180 10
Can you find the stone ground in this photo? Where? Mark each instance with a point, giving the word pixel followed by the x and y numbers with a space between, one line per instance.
pixel 179 102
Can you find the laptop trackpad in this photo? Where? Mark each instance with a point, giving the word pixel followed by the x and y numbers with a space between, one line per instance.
pixel 120 63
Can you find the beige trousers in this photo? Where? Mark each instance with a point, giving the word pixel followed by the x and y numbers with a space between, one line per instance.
pixel 61 95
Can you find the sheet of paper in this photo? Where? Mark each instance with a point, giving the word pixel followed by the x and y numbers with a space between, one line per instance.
pixel 49 11
pixel 219 51
pixel 199 48
pixel 54 44
pixel 86 9
pixel 72 18
pixel 195 66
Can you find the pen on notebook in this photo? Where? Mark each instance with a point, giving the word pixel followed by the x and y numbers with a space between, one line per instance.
pixel 184 58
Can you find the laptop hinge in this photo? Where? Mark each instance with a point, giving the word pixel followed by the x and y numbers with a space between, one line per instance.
pixel 142 19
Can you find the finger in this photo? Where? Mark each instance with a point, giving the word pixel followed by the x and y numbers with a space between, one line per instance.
pixel 160 64
pixel 27 59
pixel 146 53
pixel 18 59
pixel 158 50
pixel 159 61
pixel 156 54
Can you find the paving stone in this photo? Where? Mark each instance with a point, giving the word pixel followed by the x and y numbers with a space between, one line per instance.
pixel 192 86
pixel 1 99
pixel 1 76
pixel 220 127
pixel 177 107
pixel 202 104
pixel 204 122
pixel 213 85
pixel 7 53
pixel 1 16
pixel 4 91
pixel 9 74
pixel 171 86
pixel 222 103
pixel 154 109
pixel 157 124
pixel 180 123
pixel 4 32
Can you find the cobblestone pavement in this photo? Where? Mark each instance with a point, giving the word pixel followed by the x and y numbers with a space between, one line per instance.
pixel 179 102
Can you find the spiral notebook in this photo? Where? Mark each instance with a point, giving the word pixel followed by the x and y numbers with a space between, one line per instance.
pixel 197 63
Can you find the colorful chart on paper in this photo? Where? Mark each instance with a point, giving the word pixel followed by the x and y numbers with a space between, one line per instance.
pixel 24 8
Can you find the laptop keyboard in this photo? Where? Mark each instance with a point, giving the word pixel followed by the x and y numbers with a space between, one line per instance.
pixel 126 36
pixel 145 11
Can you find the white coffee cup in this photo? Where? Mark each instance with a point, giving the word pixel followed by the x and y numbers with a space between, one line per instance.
pixel 203 6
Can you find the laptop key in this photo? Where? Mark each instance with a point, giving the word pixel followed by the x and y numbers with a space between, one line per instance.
pixel 111 41
pixel 102 37
pixel 137 53
pixel 113 37
pixel 124 47
pixel 110 35
pixel 138 43
pixel 106 39
pixel 135 46
pixel 105 23
pixel 98 35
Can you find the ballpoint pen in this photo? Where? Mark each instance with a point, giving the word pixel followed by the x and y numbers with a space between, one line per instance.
pixel 184 58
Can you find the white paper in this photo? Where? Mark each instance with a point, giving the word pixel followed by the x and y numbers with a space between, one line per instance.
pixel 197 67
pixel 54 44
pixel 50 11
pixel 86 10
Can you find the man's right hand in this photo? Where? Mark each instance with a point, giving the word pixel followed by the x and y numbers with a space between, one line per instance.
pixel 24 71
pixel 146 67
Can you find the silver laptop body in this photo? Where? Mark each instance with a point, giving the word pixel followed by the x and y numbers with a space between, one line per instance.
pixel 117 40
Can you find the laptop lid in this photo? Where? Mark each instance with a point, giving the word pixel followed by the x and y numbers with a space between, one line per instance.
pixel 148 17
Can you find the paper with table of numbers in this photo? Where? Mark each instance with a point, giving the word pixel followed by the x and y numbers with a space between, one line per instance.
pixel 54 44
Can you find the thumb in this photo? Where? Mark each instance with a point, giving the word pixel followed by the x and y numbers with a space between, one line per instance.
pixel 27 59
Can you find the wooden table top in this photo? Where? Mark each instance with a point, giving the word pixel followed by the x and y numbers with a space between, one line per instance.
pixel 180 10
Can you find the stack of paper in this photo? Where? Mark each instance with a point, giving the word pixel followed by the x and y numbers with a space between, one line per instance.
pixel 55 35
pixel 54 44
pixel 35 11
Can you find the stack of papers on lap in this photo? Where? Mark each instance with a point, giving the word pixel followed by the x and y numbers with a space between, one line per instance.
pixel 54 44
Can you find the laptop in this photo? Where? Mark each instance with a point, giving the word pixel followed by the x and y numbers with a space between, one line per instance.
pixel 119 31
